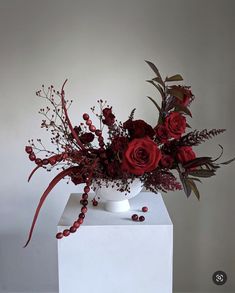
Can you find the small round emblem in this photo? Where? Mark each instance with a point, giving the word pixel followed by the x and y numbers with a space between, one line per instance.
pixel 219 277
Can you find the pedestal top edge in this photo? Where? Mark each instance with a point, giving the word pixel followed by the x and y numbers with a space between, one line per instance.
pixel 97 216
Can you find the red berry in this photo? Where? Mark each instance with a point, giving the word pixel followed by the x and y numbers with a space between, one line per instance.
pixel 38 161
pixel 144 209
pixel 141 218
pixel 100 139
pixel 81 216
pixel 76 225
pixel 32 157
pixel 85 116
pixel 88 122
pixel 45 161
pixel 134 217
pixel 84 202
pixel 66 232
pixel 92 128
pixel 98 132
pixel 84 210
pixel 73 229
pixel 95 203
pixel 80 221
pixel 59 235
pixel 85 196
pixel 86 189
pixel 28 149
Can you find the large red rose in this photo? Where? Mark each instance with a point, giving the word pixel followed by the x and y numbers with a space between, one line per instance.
pixel 185 154
pixel 142 155
pixel 175 124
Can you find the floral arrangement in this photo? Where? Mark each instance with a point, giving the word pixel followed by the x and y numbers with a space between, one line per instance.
pixel 161 156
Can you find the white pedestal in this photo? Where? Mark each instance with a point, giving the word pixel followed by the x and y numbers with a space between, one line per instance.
pixel 112 254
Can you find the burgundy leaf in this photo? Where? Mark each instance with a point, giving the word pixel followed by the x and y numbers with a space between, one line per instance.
pixel 34 170
pixel 52 184
pixel 67 118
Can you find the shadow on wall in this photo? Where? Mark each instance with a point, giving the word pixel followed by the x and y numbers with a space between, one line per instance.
pixel 33 269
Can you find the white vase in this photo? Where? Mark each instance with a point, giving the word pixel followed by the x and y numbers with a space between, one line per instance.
pixel 115 200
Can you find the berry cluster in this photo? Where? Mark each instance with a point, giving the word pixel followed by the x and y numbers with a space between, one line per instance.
pixel 133 148
pixel 84 200
pixel 81 216
pixel 92 128
pixel 136 218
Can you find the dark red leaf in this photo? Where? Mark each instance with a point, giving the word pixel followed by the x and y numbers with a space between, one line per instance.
pixel 52 184
pixel 67 118
pixel 34 170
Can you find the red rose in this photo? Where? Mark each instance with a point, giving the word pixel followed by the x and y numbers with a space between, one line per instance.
pixel 138 128
pixel 109 118
pixel 162 133
pixel 185 154
pixel 184 102
pixel 186 98
pixel 142 155
pixel 175 124
pixel 166 161
pixel 119 143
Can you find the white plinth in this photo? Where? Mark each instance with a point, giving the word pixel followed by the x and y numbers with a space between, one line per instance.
pixel 112 254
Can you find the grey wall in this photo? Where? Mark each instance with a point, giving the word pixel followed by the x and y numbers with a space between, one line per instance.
pixel 101 47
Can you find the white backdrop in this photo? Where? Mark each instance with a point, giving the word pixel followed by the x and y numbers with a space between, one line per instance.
pixel 101 47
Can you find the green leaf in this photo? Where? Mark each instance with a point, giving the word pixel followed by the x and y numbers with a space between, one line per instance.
pixel 183 109
pixel 195 179
pixel 158 87
pixel 156 71
pixel 176 93
pixel 176 77
pixel 220 155
pixel 132 114
pixel 186 186
pixel 157 79
pixel 194 188
pixel 161 91
pixel 199 161
pixel 155 103
pixel 202 173
pixel 228 162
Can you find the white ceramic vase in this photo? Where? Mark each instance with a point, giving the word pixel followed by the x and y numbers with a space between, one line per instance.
pixel 115 200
